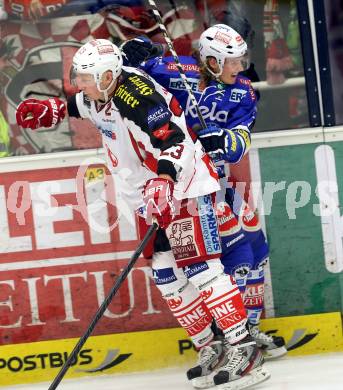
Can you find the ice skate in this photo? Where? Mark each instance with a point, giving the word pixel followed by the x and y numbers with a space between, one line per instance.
pixel 272 346
pixel 210 357
pixel 242 367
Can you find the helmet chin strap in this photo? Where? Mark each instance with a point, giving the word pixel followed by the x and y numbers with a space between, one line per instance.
pixel 105 91
pixel 215 74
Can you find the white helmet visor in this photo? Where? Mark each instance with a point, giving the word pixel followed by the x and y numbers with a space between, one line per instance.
pixel 80 80
pixel 238 64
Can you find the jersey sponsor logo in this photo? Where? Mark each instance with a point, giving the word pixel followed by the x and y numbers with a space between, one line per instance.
pixel 181 239
pixel 163 275
pixel 178 84
pixel 185 67
pixel 123 94
pixel 244 81
pixel 207 112
pixel 218 93
pixel 158 116
pixel 208 225
pixel 108 133
pixel 210 113
pixel 252 94
pixel 163 133
pixel 195 269
pixel 237 95
pixel 141 86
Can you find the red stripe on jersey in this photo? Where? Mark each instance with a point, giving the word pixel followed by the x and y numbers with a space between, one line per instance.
pixel 148 160
pixel 210 166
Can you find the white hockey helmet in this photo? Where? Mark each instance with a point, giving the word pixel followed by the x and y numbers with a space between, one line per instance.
pixel 95 58
pixel 221 41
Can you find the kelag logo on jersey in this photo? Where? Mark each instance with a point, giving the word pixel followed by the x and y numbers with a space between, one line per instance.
pixel 207 112
pixel 208 225
pixel 158 116
pixel 163 275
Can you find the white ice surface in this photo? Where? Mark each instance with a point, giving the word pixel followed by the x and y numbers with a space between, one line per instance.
pixel 316 372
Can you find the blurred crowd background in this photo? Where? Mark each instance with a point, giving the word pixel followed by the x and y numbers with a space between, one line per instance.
pixel 39 38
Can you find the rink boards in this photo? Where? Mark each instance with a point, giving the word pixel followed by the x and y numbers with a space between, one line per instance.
pixel 149 350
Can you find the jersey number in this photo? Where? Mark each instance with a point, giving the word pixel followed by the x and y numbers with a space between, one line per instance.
pixel 176 153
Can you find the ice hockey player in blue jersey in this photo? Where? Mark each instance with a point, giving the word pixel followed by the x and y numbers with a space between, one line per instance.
pixel 229 103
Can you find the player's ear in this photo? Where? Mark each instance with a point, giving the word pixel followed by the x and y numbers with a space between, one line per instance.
pixel 109 76
pixel 212 62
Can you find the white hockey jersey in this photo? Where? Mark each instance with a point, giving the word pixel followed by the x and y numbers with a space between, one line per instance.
pixel 143 131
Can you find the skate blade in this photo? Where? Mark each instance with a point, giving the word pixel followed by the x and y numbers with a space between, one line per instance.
pixel 203 382
pixel 256 376
pixel 274 353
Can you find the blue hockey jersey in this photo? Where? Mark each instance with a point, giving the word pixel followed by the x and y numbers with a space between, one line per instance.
pixel 165 72
pixel 230 106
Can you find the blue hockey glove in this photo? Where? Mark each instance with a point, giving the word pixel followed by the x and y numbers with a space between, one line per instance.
pixel 215 140
pixel 139 49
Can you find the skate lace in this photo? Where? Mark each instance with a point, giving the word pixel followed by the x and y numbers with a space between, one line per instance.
pixel 206 354
pixel 235 357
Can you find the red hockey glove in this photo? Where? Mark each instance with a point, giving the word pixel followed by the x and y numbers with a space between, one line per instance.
pixel 33 113
pixel 158 197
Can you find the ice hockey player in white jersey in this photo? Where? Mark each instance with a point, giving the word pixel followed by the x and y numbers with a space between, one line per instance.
pixel 165 176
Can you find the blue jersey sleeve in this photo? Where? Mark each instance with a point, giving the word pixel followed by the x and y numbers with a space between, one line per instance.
pixel 232 107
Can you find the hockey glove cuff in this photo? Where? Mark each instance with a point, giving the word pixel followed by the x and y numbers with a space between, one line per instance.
pixel 139 49
pixel 215 140
pixel 158 197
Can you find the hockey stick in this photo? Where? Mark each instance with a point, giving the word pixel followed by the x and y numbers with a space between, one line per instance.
pixel 177 60
pixel 103 307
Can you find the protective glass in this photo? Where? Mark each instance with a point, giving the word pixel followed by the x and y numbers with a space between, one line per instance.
pixel 240 63
pixel 80 80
